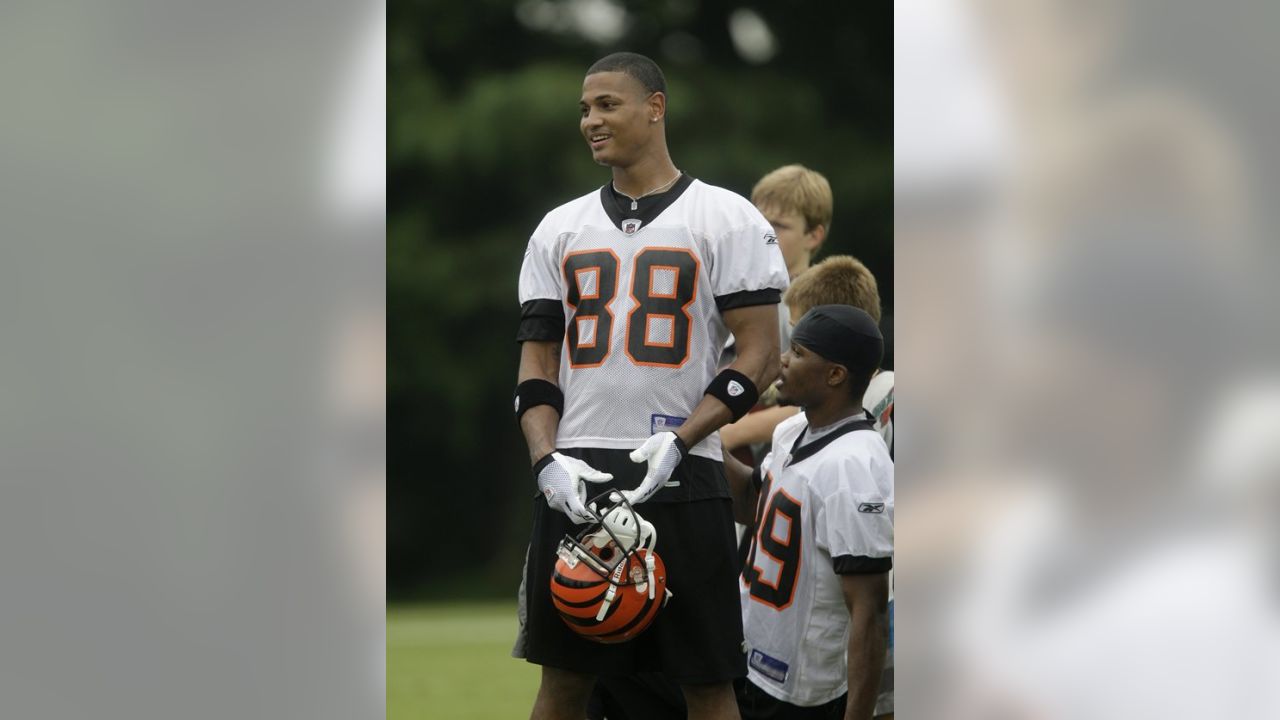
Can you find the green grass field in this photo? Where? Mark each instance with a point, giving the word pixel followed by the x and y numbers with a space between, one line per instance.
pixel 453 662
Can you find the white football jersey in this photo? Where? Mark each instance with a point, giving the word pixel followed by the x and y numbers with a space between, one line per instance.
pixel 826 507
pixel 642 296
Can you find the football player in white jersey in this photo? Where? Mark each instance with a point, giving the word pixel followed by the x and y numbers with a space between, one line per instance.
pixel 815 586
pixel 627 296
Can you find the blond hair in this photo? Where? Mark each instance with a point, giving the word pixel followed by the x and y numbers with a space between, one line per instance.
pixel 796 188
pixel 838 280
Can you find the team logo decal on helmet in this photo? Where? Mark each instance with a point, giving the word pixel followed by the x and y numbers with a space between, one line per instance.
pixel 608 583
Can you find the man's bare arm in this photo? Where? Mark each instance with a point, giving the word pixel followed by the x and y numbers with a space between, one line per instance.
pixel 867 599
pixel 755 332
pixel 756 427
pixel 540 360
pixel 741 489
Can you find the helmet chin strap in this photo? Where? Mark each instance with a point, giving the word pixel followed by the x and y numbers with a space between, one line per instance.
pixel 648 565
pixel 648 538
pixel 613 592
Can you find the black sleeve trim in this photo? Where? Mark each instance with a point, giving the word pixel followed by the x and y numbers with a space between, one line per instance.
pixel 861 565
pixel 757 481
pixel 747 298
pixel 541 320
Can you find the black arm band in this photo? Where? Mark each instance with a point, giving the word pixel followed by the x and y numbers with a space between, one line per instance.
pixel 532 393
pixel 734 390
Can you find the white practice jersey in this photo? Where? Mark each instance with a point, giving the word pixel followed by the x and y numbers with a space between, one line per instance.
pixel 826 509
pixel 641 296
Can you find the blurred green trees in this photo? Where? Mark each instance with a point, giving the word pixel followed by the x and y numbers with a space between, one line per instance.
pixel 483 140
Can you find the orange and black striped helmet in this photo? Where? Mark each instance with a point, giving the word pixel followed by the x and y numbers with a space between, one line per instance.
pixel 609 583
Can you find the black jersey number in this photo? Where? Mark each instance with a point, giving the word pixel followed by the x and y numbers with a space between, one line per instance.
pixel 783 549
pixel 664 282
pixel 592 278
pixel 663 286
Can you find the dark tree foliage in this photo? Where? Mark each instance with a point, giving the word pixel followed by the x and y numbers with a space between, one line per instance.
pixel 483 140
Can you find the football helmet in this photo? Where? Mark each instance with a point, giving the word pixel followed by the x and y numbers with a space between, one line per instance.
pixel 608 583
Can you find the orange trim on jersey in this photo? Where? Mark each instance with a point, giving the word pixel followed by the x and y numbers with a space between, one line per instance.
pixel 766 488
pixel 656 316
pixel 773 532
pixel 792 535
pixel 595 330
pixel 578 281
pixel 781 563
pixel 697 271
pixel 675 284
pixel 564 269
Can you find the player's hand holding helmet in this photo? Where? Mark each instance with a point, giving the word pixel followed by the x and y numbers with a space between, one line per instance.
pixel 609 583
pixel 663 452
pixel 562 480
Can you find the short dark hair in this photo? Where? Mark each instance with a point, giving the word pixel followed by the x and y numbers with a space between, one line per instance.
pixel 645 71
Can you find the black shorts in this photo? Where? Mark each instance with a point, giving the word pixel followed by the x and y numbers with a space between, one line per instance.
pixel 646 696
pixel 756 704
pixel 697 637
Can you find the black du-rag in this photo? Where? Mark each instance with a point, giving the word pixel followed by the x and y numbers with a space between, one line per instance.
pixel 842 334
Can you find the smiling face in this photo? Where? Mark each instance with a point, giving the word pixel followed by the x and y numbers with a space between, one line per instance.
pixel 618 118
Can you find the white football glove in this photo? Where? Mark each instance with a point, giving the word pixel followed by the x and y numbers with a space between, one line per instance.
pixel 562 482
pixel 663 452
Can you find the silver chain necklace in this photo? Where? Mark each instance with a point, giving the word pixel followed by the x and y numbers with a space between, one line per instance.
pixel 635 200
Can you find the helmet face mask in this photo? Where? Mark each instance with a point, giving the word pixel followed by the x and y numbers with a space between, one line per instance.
pixel 609 583
pixel 617 532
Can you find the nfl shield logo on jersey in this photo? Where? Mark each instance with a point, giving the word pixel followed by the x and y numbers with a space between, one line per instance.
pixel 630 226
